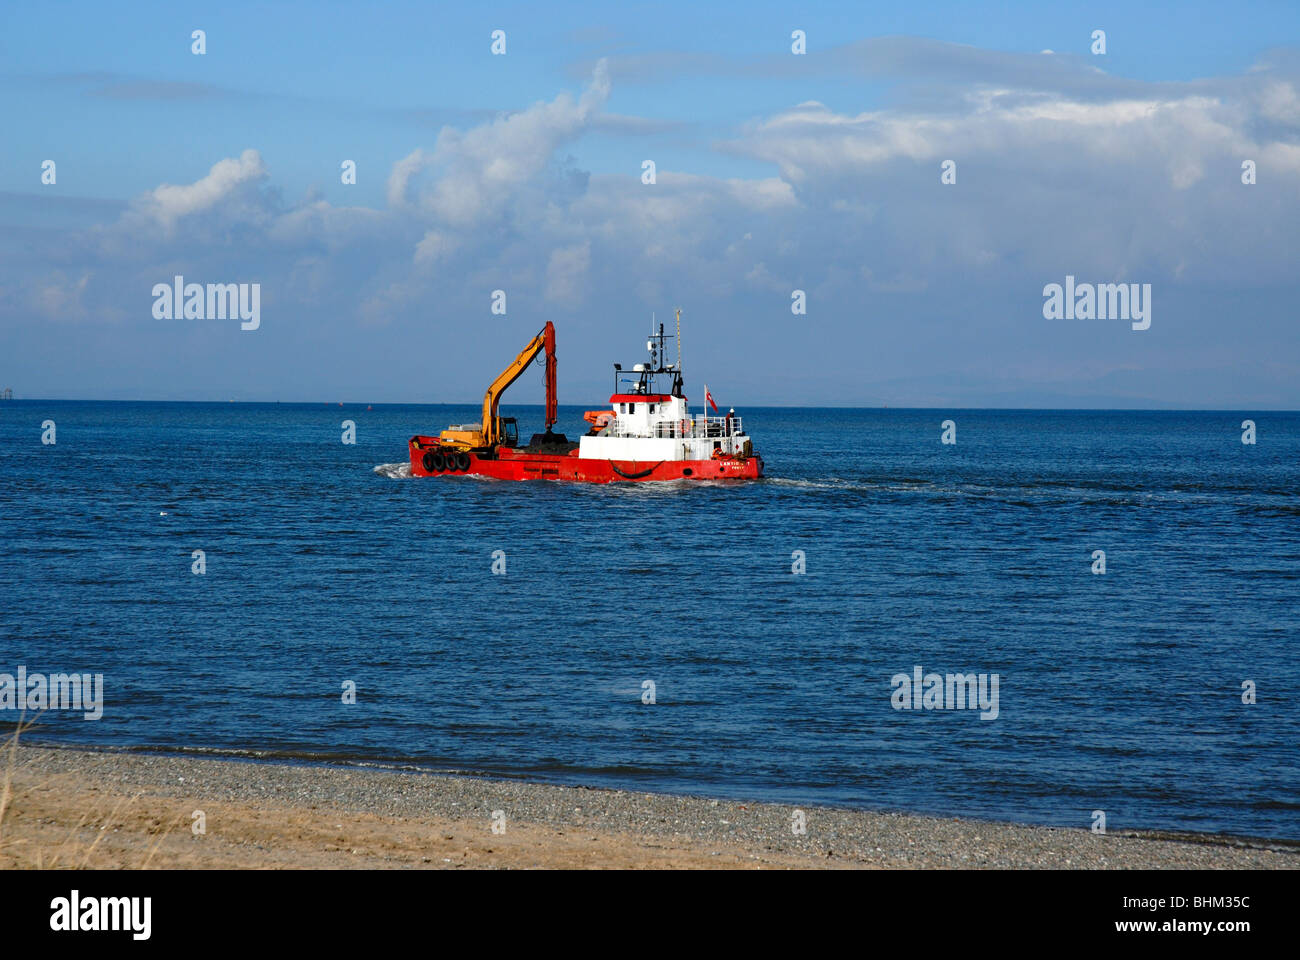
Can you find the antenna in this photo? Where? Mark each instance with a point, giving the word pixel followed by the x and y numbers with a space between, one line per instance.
pixel 679 339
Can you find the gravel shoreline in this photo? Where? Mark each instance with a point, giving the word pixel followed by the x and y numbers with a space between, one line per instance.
pixel 759 831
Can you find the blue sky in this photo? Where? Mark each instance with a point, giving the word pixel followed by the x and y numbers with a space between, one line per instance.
pixel 775 172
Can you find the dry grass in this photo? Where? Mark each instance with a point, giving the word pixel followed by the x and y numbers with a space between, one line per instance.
pixel 86 819
pixel 76 849
pixel 11 762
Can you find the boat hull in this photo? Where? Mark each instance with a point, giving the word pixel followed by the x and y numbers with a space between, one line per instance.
pixel 510 464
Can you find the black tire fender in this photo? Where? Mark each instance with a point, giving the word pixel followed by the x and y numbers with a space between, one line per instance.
pixel 635 476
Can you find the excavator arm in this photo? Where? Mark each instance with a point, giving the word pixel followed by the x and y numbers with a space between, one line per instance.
pixel 545 340
pixel 490 433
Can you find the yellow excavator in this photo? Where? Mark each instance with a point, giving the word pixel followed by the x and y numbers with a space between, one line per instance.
pixel 504 431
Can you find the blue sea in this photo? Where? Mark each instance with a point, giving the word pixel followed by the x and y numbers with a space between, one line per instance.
pixel 324 565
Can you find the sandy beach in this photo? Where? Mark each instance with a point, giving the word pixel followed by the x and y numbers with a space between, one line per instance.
pixel 71 808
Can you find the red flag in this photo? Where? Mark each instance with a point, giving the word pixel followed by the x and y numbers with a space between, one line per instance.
pixel 709 397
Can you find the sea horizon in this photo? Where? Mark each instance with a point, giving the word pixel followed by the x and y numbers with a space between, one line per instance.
pixel 765 406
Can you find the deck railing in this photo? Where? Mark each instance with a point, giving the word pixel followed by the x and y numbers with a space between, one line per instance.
pixel 690 429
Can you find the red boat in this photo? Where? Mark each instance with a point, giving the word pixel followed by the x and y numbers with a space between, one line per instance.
pixel 647 434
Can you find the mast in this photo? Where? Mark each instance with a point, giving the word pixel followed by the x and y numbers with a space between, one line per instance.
pixel 658 365
pixel 679 341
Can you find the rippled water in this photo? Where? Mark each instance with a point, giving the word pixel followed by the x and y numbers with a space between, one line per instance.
pixel 326 563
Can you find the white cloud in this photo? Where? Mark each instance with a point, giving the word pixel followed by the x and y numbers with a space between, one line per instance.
pixel 1279 102
pixel 434 247
pixel 478 173
pixel 169 203
pixel 319 222
pixel 400 177
pixel 60 299
pixel 811 141
pixel 566 273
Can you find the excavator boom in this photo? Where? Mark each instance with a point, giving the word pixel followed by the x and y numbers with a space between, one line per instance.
pixel 490 433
